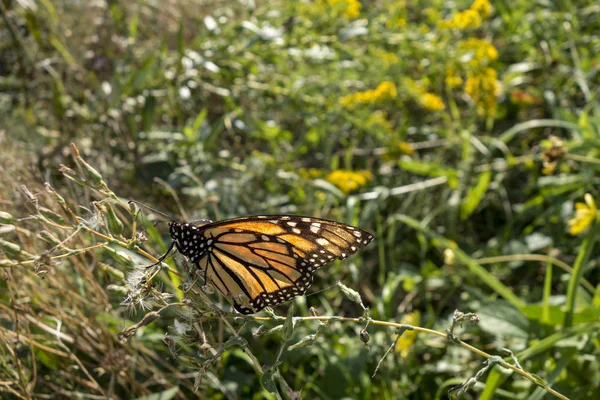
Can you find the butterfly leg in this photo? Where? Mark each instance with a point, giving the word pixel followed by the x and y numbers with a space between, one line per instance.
pixel 163 257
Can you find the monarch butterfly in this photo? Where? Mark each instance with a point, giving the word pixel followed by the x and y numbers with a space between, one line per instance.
pixel 261 261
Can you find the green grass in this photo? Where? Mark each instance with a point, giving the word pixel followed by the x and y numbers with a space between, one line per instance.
pixel 462 136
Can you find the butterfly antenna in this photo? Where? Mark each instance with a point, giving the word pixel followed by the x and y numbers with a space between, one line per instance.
pixel 153 210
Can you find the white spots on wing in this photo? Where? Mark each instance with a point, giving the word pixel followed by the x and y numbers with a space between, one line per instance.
pixel 322 241
pixel 265 238
pixel 353 248
pixel 209 242
pixel 316 224
pixel 238 231
pixel 280 240
pixel 305 219
pixel 273 221
pixel 292 223
pixel 357 233
pixel 314 229
pixel 285 217
pixel 296 231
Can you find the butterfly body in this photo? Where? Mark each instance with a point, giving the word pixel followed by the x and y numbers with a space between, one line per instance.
pixel 266 260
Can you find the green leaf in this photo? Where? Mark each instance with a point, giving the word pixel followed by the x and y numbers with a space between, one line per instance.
pixel 288 326
pixel 596 300
pixel 551 341
pixel 537 123
pixel 431 169
pixel 140 78
pixel 133 26
pixel 148 113
pixel 554 314
pixel 51 10
pixel 48 359
pixel 194 132
pixel 267 381
pixel 164 395
pixel 476 269
pixel 62 50
pixel 583 256
pixel 475 194
pixel 329 187
pixel 502 319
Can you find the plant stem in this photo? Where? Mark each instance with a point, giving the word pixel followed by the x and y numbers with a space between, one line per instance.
pixel 444 335
pixel 584 254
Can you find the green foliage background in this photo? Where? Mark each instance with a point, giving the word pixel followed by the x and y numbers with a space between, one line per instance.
pixel 460 133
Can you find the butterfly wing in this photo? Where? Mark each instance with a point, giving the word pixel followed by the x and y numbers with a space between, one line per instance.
pixel 266 260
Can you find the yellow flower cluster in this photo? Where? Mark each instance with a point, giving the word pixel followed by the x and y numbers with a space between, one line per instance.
pixel 348 181
pixel 483 88
pixel 585 214
pixel 426 99
pixel 482 51
pixel 406 148
pixel 378 121
pixel 408 338
pixel 431 102
pixel 473 17
pixel 351 8
pixel 453 80
pixel 388 58
pixel 310 173
pixel 385 90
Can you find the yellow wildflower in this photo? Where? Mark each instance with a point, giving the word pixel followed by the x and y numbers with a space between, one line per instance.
pixel 427 100
pixel 473 17
pixel 406 148
pixel 453 81
pixel 483 7
pixel 350 8
pixel 310 173
pixel 585 214
pixel 385 90
pixel 466 19
pixel 321 196
pixel 481 52
pixel 407 339
pixel 378 120
pixel 388 58
pixel 483 88
pixel 348 181
pixel 431 102
pixel 401 22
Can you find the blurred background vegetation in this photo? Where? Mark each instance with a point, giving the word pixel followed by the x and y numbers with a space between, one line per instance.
pixel 464 134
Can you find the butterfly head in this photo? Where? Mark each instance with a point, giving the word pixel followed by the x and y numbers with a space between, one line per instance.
pixel 189 240
pixel 174 229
